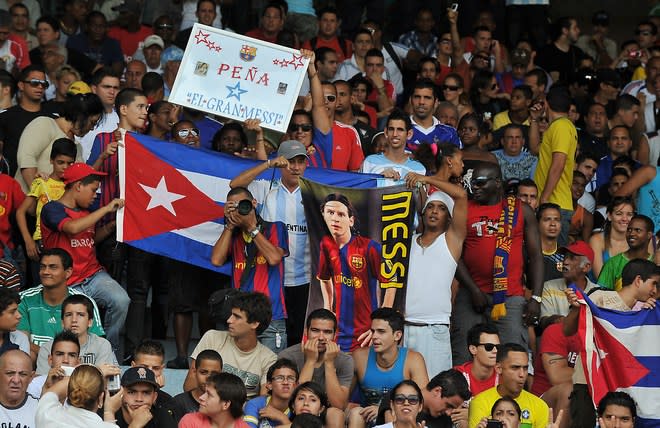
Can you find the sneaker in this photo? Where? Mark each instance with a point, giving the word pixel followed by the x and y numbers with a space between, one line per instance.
pixel 178 363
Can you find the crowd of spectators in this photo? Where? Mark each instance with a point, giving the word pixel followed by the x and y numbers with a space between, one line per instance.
pixel 533 145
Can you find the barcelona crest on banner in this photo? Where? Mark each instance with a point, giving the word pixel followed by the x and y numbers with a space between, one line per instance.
pixel 248 53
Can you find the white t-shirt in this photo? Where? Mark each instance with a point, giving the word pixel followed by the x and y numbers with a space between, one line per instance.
pixel 20 416
pixel 250 366
pixel 52 414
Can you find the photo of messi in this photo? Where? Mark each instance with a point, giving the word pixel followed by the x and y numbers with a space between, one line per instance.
pixel 350 273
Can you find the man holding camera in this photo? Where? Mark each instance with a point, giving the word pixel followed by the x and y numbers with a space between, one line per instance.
pixel 282 201
pixel 257 249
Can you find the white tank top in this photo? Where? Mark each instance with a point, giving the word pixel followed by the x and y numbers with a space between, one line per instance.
pixel 428 293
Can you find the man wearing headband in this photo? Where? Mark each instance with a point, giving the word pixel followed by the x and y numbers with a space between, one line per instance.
pixel 434 256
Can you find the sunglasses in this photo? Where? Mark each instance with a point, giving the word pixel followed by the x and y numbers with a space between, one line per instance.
pixel 643 33
pixel 450 88
pixel 493 86
pixel 480 181
pixel 330 98
pixel 37 82
pixel 483 58
pixel 185 132
pixel 304 127
pixel 411 399
pixel 489 346
pixel 164 26
pixel 445 41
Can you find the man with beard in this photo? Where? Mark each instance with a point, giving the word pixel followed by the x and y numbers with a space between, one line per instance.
pixel 426 128
pixel 561 57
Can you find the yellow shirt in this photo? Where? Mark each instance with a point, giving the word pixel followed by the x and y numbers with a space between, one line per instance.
pixel 561 137
pixel 534 411
pixel 502 119
pixel 44 192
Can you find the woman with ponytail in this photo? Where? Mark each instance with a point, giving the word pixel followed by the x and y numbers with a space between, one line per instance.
pixel 84 392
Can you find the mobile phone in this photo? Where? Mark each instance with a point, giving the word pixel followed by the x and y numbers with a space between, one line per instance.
pixel 492 423
pixel 635 54
pixel 454 7
pixel 114 384
pixel 68 371
pixel 487 115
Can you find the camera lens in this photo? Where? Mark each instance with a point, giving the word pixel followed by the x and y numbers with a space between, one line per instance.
pixel 244 207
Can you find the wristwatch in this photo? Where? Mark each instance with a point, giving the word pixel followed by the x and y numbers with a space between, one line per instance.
pixel 255 232
pixel 537 298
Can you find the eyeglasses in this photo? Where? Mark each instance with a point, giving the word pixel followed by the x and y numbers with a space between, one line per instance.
pixel 330 98
pixel 281 378
pixel 37 82
pixel 304 127
pixel 183 133
pixel 489 346
pixel 450 88
pixel 480 181
pixel 399 399
pixel 643 32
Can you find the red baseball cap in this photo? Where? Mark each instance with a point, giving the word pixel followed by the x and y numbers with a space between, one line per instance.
pixel 580 248
pixel 78 171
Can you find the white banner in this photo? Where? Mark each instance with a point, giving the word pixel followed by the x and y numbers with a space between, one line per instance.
pixel 239 77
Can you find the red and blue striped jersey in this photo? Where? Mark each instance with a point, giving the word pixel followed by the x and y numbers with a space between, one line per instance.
pixel 355 273
pixel 109 188
pixel 263 278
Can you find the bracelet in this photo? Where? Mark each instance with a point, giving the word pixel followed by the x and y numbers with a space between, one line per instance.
pixel 313 75
pixel 267 161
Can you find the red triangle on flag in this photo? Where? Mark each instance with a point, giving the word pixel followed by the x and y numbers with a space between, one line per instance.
pixel 612 365
pixel 158 197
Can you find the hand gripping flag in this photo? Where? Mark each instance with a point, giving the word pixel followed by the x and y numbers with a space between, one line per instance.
pixel 622 352
pixel 175 196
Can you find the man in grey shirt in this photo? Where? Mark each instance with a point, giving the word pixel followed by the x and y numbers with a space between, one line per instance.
pixel 320 360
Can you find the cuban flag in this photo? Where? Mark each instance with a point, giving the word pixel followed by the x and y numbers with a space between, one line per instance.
pixel 622 352
pixel 175 196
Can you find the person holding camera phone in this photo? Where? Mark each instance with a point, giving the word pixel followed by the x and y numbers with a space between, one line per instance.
pixel 256 249
pixel 506 414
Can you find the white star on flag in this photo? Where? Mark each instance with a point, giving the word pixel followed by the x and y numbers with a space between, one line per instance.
pixel 161 197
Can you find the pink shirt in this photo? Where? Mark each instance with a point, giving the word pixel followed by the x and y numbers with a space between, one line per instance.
pixel 199 420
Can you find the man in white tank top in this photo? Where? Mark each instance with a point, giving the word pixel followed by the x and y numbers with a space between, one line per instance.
pixel 433 260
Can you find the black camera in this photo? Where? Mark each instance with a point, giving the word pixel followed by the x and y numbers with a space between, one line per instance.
pixel 492 423
pixel 244 207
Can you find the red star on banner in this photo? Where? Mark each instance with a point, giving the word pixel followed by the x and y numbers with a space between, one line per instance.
pixel 297 61
pixel 202 37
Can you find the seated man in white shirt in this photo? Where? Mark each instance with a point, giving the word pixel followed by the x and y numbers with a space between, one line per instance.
pixel 17 406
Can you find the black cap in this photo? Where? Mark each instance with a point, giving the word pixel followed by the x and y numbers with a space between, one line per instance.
pixel 609 76
pixel 601 18
pixel 139 375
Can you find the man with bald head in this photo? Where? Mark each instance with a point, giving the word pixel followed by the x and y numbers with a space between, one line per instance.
pixel 497 229
pixel 17 407
pixel 135 71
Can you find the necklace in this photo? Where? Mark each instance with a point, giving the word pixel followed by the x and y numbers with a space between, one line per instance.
pixel 396 357
pixel 424 246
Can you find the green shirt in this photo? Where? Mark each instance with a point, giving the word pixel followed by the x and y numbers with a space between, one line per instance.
pixel 610 275
pixel 43 321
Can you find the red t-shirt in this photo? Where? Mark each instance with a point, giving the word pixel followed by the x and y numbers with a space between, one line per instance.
pixel 199 420
pixel 479 247
pixel 11 197
pixel 347 152
pixel 475 385
pixel 258 34
pixel 332 44
pixel 553 341
pixel 80 246
pixel 372 98
pixel 128 41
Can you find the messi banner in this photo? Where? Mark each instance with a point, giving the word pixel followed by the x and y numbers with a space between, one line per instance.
pixel 360 246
